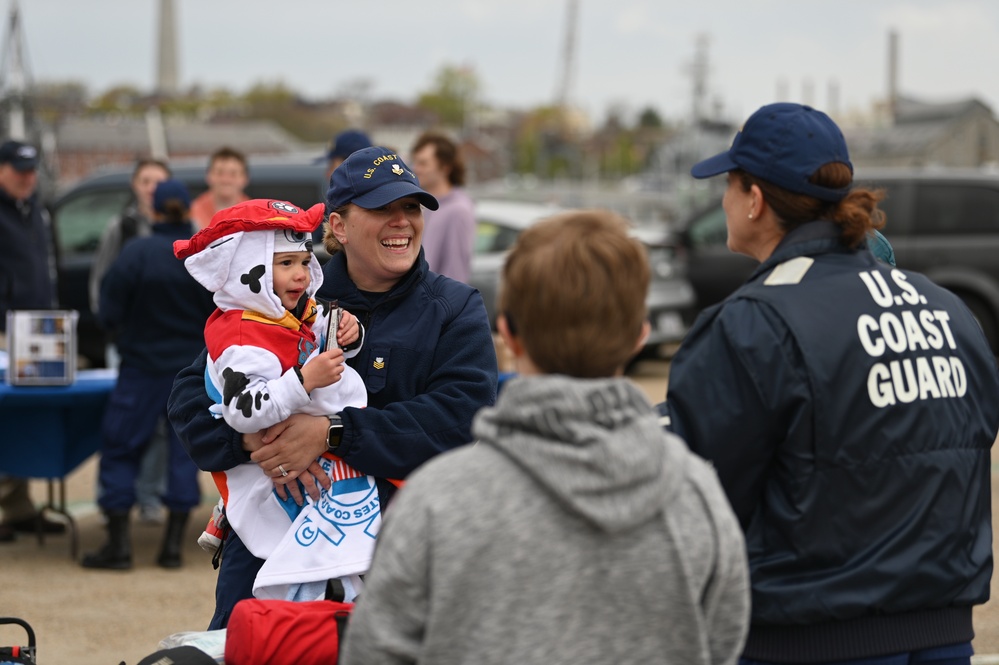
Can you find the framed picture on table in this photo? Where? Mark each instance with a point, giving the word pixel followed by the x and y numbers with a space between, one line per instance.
pixel 41 347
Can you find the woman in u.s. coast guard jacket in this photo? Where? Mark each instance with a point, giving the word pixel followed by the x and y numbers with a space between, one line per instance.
pixel 848 407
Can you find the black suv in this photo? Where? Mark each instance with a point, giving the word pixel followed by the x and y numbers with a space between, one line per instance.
pixel 943 223
pixel 81 213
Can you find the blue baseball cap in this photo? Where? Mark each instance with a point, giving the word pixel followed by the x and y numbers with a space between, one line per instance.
pixel 346 142
pixel 168 190
pixel 374 177
pixel 784 144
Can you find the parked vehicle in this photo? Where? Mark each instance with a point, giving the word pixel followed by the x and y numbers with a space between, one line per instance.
pixel 81 213
pixel 943 223
pixel 499 224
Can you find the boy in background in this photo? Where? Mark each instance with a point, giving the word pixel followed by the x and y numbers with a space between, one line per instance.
pixel 226 177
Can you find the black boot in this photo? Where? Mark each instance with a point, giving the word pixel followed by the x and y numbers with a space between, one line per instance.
pixel 117 552
pixel 173 540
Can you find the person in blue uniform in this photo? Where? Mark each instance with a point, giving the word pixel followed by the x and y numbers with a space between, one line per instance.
pixel 27 281
pixel 158 312
pixel 849 408
pixel 428 361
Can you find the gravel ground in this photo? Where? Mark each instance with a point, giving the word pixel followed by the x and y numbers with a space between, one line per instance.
pixel 90 617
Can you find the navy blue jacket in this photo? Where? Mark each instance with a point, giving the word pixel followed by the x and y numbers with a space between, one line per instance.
pixel 428 363
pixel 849 409
pixel 152 303
pixel 26 256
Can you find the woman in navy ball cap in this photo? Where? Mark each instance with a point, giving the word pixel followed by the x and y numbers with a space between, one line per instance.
pixel 848 407
pixel 428 360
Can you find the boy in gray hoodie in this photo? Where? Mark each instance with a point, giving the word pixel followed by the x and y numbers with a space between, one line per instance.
pixel 575 530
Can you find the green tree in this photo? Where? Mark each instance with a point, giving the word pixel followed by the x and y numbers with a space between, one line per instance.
pixel 650 119
pixel 55 100
pixel 269 97
pixel 453 95
pixel 125 99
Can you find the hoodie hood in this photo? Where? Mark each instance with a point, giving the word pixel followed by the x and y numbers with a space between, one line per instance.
pixel 234 256
pixel 595 445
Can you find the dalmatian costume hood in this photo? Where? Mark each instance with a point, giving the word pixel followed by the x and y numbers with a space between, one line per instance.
pixel 232 256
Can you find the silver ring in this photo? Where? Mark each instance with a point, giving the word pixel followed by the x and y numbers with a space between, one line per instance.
pixel 281 469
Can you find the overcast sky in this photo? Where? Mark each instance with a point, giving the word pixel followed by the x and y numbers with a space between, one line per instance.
pixel 629 53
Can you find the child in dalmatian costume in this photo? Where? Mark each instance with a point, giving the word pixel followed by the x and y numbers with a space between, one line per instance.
pixel 256 350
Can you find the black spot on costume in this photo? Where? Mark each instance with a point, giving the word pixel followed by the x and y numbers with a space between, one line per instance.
pixel 233 385
pixel 252 278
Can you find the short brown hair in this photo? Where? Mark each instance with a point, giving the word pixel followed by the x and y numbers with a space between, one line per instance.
pixel 573 292
pixel 447 153
pixel 147 162
pixel 225 152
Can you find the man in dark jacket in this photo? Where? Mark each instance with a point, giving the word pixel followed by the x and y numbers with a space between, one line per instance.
pixel 27 265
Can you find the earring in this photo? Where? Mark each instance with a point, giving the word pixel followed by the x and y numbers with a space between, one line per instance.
pixel 750 215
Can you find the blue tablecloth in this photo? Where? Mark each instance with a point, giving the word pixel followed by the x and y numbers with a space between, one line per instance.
pixel 47 431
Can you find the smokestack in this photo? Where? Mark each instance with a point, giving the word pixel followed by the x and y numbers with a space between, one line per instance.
pixel 807 92
pixel 781 90
pixel 832 104
pixel 892 74
pixel 166 65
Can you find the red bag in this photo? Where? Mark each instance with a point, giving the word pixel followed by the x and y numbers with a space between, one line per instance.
pixel 279 632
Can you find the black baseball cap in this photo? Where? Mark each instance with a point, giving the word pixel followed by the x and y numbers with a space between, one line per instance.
pixel 22 156
pixel 345 143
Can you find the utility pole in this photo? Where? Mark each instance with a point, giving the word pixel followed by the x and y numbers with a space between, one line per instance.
pixel 17 118
pixel 556 152
pixel 14 76
pixel 698 70
pixel 563 88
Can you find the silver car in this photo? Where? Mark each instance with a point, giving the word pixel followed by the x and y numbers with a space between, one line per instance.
pixel 499 224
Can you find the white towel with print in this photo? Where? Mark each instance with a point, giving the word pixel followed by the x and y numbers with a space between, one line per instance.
pixel 320 540
pixel 331 538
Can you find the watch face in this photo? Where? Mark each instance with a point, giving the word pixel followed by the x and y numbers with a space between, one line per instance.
pixel 333 437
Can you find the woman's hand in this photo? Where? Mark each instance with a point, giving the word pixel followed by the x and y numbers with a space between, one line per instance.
pixel 293 446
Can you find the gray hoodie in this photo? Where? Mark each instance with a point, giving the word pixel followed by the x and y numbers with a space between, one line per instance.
pixel 574 531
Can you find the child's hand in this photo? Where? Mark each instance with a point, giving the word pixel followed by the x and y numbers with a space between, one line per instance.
pixel 349 329
pixel 323 370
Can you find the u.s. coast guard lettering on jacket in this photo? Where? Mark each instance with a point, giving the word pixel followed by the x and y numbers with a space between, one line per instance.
pixel 908 325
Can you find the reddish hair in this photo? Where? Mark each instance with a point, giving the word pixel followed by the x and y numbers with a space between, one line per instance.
pixel 857 214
